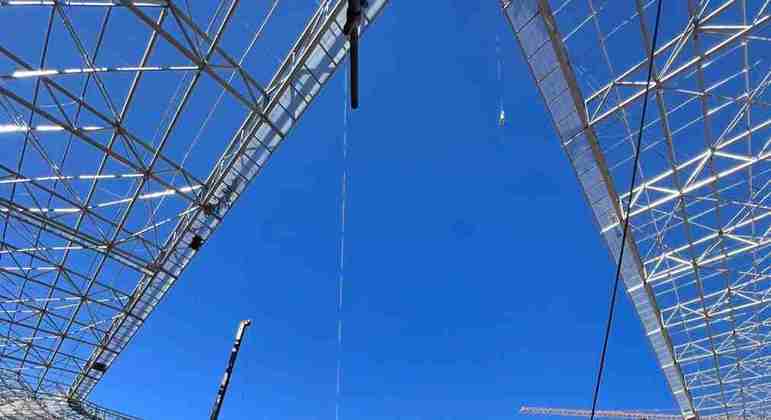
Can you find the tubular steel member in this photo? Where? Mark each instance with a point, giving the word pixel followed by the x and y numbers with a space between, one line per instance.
pixel 351 29
pixel 215 411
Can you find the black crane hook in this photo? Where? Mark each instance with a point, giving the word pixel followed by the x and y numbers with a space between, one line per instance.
pixel 351 29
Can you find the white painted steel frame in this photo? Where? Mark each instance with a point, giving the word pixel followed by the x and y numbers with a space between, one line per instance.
pixel 696 268
pixel 45 407
pixel 75 232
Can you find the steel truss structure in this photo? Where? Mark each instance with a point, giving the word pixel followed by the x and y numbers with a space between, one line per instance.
pixel 129 129
pixel 617 414
pixel 696 267
pixel 56 407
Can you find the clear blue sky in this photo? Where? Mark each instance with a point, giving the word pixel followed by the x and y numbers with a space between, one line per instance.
pixel 476 281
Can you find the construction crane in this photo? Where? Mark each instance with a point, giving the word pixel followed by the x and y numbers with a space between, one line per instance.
pixel 622 414
pixel 215 411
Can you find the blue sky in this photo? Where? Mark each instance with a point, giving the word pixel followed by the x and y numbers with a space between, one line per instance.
pixel 476 280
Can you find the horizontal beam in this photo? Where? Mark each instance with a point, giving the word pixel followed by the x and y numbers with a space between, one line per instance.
pixel 664 77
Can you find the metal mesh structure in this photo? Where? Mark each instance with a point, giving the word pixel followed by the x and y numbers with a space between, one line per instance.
pixel 696 266
pixel 128 130
pixel 56 407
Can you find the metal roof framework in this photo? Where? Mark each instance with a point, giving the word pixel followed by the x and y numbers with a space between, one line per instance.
pixel 697 266
pixel 129 129
pixel 46 407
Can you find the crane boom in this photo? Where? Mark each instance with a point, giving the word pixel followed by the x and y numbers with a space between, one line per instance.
pixel 622 414
pixel 603 414
pixel 215 412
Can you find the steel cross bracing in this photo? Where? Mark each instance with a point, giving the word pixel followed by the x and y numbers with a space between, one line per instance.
pixel 128 129
pixel 697 263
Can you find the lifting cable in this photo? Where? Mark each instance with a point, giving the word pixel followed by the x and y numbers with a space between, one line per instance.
pixel 341 272
pixel 501 112
pixel 627 211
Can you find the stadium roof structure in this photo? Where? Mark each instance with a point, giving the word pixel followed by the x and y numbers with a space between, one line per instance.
pixel 696 265
pixel 129 129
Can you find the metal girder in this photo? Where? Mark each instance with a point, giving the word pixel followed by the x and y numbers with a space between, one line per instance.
pixel 100 200
pixel 697 271
pixel 619 414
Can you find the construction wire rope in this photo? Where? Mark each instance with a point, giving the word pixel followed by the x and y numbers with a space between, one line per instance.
pixel 341 270
pixel 499 58
pixel 638 147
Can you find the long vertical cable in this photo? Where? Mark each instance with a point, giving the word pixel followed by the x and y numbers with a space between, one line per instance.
pixel 501 113
pixel 627 211
pixel 341 272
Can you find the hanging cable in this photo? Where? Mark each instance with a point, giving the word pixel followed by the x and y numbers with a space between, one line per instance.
pixel 341 272
pixel 501 112
pixel 627 211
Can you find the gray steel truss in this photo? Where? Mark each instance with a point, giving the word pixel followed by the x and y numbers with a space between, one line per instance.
pixel 696 267
pixel 129 129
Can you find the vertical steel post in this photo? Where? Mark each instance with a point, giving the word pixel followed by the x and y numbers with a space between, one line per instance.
pixel 215 411
pixel 355 68
pixel 351 29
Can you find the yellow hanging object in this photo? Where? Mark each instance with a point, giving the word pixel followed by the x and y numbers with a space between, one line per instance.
pixel 502 118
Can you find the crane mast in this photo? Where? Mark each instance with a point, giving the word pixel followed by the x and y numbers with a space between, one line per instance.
pixel 215 411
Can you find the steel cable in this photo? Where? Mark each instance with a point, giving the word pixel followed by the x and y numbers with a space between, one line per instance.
pixel 638 147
